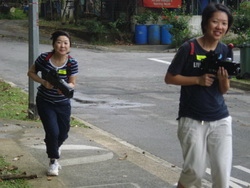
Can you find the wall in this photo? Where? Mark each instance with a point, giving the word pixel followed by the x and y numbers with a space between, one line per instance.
pixel 195 24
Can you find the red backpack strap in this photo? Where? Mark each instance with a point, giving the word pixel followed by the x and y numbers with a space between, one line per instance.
pixel 69 66
pixel 192 48
pixel 48 56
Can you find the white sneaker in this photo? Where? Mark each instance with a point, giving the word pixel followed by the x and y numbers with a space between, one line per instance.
pixel 175 185
pixel 54 169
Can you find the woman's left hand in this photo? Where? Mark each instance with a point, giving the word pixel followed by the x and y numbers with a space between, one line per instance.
pixel 224 83
pixel 222 73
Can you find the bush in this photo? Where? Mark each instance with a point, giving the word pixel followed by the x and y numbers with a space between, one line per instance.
pixel 14 14
pixel 120 28
pixel 142 18
pixel 180 27
pixel 241 25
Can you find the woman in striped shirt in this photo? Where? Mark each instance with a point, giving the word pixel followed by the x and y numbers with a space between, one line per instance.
pixel 53 106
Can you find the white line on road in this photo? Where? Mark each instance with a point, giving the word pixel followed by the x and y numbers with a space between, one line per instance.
pixel 112 185
pixel 71 147
pixel 81 160
pixel 160 61
pixel 242 168
pixel 233 180
pixel 233 185
pixel 239 182
pixel 87 159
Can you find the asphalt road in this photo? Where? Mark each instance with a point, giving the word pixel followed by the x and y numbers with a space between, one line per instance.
pixel 125 95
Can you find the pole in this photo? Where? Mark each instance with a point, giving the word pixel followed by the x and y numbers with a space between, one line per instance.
pixel 33 54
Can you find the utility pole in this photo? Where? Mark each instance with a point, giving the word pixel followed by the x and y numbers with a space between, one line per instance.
pixel 33 54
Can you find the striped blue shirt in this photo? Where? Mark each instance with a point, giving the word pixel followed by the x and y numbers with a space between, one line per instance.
pixel 44 65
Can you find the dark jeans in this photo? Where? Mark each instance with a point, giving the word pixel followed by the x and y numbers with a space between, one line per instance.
pixel 56 122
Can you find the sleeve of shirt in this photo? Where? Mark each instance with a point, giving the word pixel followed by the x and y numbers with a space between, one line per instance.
pixel 74 67
pixel 39 62
pixel 178 63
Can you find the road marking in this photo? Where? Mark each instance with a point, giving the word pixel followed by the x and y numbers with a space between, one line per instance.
pixel 112 185
pixel 160 61
pixel 231 184
pixel 87 160
pixel 81 160
pixel 71 147
pixel 242 168
pixel 233 180
pixel 239 182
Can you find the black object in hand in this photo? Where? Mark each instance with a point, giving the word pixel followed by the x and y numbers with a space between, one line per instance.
pixel 212 63
pixel 54 79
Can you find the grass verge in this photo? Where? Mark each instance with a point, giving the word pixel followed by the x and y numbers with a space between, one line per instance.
pixel 6 168
pixel 241 80
pixel 14 102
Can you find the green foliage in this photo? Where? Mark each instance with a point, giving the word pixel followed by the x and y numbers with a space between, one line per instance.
pixel 98 31
pixel 120 28
pixel 106 32
pixel 76 123
pixel 95 26
pixel 57 24
pixel 142 18
pixel 241 25
pixel 119 25
pixel 154 17
pixel 180 28
pixel 182 36
pixel 16 14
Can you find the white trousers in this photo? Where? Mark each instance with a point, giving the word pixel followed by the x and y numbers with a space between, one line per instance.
pixel 200 139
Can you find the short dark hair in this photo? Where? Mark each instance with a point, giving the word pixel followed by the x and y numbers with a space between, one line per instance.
pixel 208 12
pixel 59 33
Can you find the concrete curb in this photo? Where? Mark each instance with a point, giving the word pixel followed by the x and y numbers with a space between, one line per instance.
pixel 240 85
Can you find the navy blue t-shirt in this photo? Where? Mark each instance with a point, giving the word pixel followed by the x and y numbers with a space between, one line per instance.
pixel 199 102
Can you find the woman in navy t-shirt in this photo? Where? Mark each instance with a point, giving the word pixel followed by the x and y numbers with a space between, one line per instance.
pixel 204 123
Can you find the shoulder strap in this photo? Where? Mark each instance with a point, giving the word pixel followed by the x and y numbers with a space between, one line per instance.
pixel 230 50
pixel 192 48
pixel 69 66
pixel 48 56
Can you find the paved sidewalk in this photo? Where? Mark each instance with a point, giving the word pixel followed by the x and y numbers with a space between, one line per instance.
pixel 90 158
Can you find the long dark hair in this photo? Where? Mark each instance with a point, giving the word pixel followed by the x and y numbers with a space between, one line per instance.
pixel 210 10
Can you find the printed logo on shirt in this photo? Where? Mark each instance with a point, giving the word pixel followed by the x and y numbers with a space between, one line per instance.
pixel 200 57
pixel 62 71
pixel 197 63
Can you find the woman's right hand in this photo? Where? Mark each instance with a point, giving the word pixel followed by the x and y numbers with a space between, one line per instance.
pixel 206 80
pixel 47 84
